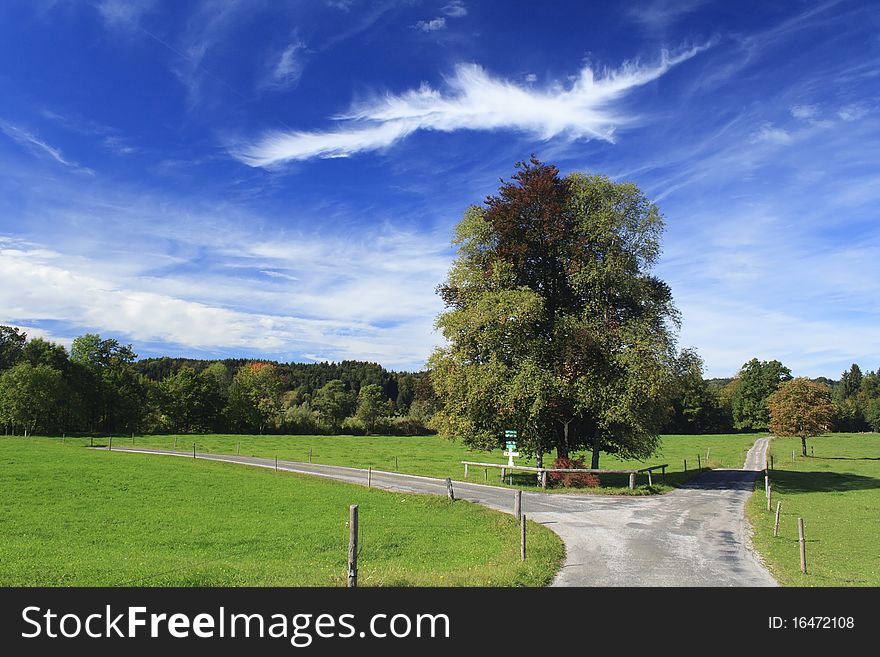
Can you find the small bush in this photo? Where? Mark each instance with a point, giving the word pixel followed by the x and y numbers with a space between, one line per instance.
pixel 573 479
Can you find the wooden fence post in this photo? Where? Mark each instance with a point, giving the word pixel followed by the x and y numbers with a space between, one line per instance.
pixel 449 493
pixel 522 538
pixel 310 454
pixel 110 444
pixel 766 484
pixel 771 462
pixel 776 522
pixel 194 450
pixel 175 444
pixel 465 471
pixel 685 465
pixel 632 480
pixel 650 481
pixel 238 449
pixel 370 477
pixel 803 545
pixel 663 473
pixel 486 473
pixel 517 504
pixel 708 451
pixel 544 480
pixel 699 465
pixel 353 545
pixel 91 442
pixel 276 464
pixel 769 498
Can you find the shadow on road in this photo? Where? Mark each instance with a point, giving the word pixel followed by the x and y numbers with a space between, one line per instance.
pixel 723 480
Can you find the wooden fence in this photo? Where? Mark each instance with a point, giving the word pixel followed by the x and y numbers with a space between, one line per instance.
pixel 542 472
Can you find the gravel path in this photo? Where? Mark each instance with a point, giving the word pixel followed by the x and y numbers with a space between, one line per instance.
pixel 694 536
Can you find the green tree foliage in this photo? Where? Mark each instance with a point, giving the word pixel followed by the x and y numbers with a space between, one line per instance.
pixel 696 406
pixel 757 381
pixel 12 342
pixel 190 401
pixel 114 393
pixel 554 323
pixel 850 382
pixel 31 397
pixel 802 408
pixel 333 403
pixel 372 406
pixel 254 397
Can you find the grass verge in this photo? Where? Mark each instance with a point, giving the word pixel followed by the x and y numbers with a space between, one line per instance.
pixel 76 517
pixel 435 456
pixel 836 490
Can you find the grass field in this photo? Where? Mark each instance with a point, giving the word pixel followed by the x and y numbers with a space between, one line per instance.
pixel 437 457
pixel 71 516
pixel 836 490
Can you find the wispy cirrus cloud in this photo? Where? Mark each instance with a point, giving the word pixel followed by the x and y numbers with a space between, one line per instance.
pixel 34 144
pixel 472 100
pixel 287 67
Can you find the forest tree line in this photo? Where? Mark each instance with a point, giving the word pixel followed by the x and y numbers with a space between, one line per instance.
pixel 100 386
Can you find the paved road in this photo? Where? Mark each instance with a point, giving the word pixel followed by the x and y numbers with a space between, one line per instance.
pixel 693 536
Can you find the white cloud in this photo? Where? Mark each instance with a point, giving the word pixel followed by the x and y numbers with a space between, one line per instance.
pixel 455 9
pixel 852 112
pixel 473 100
pixel 123 14
pixel 26 139
pixel 369 296
pixel 432 25
pixel 804 112
pixel 531 77
pixel 288 67
pixel 769 133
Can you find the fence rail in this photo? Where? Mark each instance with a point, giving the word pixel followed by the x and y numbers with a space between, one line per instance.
pixel 542 472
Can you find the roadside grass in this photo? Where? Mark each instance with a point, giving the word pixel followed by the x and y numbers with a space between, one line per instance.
pixel 836 490
pixel 435 456
pixel 77 517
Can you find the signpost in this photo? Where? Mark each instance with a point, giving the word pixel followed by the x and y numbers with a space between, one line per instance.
pixel 510 446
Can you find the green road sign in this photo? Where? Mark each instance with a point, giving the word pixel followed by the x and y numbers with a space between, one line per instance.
pixel 511 446
pixel 510 433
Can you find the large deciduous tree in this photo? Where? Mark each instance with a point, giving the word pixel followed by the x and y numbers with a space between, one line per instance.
pixel 800 408
pixel 372 406
pixel 332 402
pixel 757 381
pixel 31 397
pixel 254 397
pixel 12 343
pixel 555 325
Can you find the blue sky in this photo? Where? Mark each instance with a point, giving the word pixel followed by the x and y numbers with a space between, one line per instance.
pixel 280 179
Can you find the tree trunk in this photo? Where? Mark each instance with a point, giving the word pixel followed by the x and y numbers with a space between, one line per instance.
pixel 804 446
pixel 539 457
pixel 594 464
pixel 562 445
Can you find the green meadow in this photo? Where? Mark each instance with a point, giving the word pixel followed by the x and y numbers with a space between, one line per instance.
pixel 435 456
pixel 836 490
pixel 71 516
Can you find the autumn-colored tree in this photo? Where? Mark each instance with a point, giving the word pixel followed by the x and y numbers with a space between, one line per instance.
pixel 800 408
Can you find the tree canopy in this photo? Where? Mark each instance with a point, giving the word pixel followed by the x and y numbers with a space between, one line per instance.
pixel 800 408
pixel 554 323
pixel 757 381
